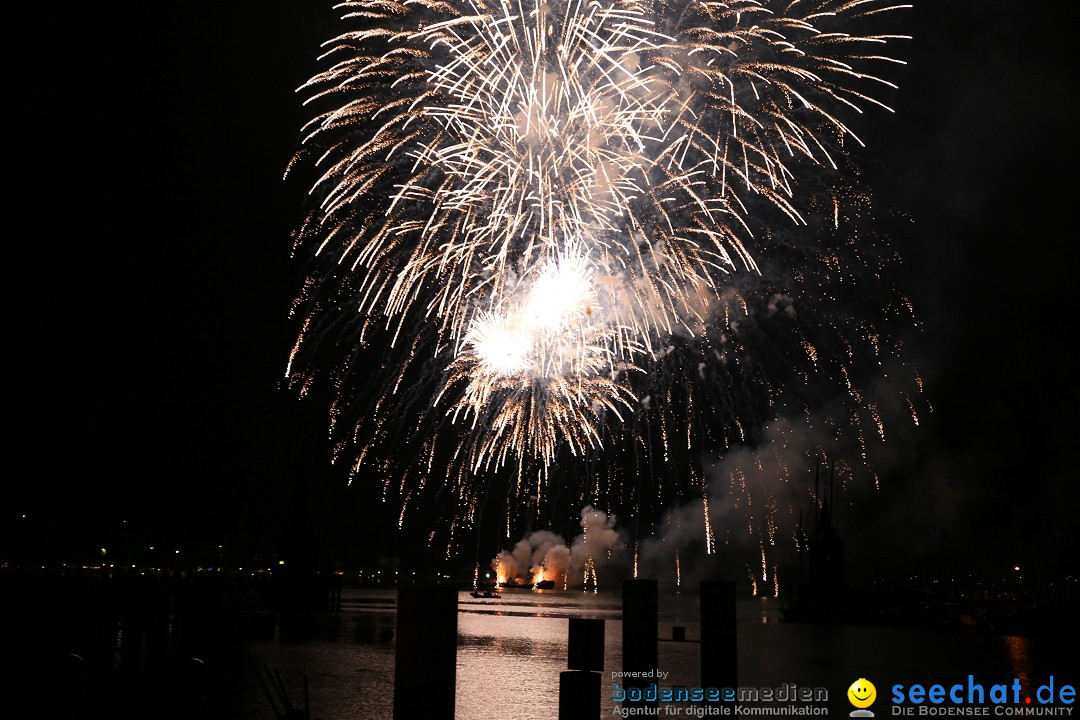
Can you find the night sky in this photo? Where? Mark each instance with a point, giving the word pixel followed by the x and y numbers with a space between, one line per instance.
pixel 148 280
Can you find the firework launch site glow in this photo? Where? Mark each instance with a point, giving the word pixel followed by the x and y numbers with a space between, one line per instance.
pixel 596 247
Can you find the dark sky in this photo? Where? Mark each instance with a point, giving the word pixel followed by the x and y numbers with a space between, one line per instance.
pixel 148 274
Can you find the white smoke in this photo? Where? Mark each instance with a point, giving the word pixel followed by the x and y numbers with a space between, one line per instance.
pixel 544 555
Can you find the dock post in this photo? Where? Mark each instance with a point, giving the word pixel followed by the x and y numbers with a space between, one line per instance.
pixel 579 686
pixel 719 650
pixel 640 639
pixel 425 652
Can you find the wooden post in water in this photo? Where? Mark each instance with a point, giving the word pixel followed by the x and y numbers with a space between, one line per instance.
pixel 425 652
pixel 640 637
pixel 719 652
pixel 579 687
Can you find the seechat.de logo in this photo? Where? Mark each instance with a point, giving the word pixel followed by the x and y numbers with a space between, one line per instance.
pixel 862 695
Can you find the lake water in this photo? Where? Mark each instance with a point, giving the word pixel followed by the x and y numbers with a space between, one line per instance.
pixel 509 655
pixel 511 651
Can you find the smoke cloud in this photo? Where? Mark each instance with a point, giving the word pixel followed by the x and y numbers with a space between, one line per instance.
pixel 545 556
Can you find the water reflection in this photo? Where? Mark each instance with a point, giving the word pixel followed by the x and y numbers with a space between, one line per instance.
pixel 118 645
pixel 509 654
pixel 1019 650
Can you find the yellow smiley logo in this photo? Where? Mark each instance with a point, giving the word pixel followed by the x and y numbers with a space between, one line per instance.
pixel 862 693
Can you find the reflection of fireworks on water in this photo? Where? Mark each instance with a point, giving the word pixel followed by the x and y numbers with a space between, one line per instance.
pixel 540 215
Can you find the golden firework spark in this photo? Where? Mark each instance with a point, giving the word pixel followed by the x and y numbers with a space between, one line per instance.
pixel 557 186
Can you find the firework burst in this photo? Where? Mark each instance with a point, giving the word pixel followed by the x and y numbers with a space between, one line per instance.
pixel 528 200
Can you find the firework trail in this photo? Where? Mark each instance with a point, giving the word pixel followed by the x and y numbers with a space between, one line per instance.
pixel 545 214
